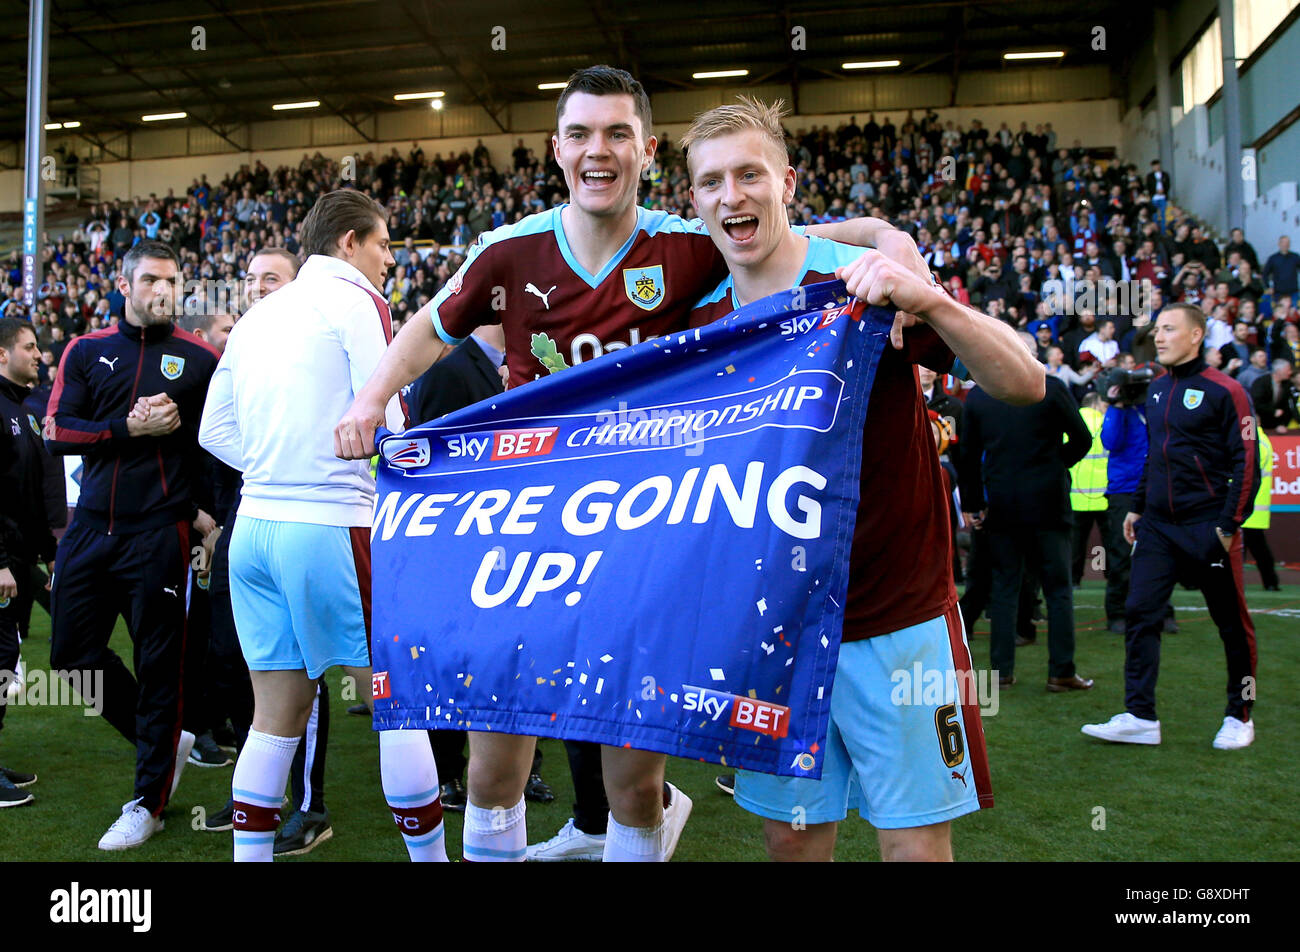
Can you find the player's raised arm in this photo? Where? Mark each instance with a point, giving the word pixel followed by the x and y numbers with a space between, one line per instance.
pixel 990 350
pixel 414 350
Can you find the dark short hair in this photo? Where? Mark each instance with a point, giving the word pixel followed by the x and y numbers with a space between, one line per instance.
pixel 294 262
pixel 202 321
pixel 10 328
pixel 607 81
pixel 334 215
pixel 1195 316
pixel 147 248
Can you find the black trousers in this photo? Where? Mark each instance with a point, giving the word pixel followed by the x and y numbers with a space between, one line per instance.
pixel 230 690
pixel 40 594
pixel 979 588
pixel 198 716
pixel 307 776
pixel 1084 520
pixel 141 577
pixel 1118 562
pixel 1257 544
pixel 590 804
pixel 1011 548
pixel 1166 554
pixel 15 616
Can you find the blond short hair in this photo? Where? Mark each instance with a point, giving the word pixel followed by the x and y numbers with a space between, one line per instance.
pixel 744 114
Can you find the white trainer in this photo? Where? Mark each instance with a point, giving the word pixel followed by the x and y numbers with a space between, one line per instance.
pixel 183 748
pixel 133 827
pixel 1234 734
pixel 569 844
pixel 676 814
pixel 1126 729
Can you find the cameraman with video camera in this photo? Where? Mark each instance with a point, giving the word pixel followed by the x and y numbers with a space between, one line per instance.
pixel 1124 435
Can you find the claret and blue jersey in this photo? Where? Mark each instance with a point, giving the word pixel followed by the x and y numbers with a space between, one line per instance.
pixel 557 314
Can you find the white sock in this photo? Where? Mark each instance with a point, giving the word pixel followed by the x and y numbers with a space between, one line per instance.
pixel 257 789
pixel 410 779
pixel 634 844
pixel 495 835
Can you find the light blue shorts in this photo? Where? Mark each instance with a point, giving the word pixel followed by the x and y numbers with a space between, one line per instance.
pixel 901 755
pixel 300 594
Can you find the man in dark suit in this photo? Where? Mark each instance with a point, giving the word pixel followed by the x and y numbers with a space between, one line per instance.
pixel 1275 398
pixel 472 372
pixel 1014 477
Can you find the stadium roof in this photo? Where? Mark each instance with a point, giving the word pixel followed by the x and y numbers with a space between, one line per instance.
pixel 110 64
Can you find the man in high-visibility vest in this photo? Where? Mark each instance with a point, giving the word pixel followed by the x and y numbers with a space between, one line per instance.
pixel 1088 487
pixel 1255 539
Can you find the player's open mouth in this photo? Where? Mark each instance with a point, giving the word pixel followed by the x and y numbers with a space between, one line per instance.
pixel 599 178
pixel 740 228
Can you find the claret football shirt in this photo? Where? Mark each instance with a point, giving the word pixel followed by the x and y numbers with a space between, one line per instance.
pixel 555 314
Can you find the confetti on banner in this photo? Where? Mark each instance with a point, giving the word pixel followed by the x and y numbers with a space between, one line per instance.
pixel 634 519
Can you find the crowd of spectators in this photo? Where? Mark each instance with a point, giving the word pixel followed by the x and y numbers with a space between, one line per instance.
pixel 1012 222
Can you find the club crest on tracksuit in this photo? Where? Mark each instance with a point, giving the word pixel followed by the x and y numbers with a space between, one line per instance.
pixel 172 367
pixel 1192 398
pixel 644 286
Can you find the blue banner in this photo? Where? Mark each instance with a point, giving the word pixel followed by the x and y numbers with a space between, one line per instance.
pixel 646 550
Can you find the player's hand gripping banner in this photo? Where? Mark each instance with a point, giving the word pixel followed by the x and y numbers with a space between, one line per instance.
pixel 646 550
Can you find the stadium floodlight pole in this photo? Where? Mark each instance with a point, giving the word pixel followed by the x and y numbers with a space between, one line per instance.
pixel 38 45
pixel 1164 105
pixel 1235 192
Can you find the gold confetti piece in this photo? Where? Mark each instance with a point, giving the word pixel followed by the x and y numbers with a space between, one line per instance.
pixel 753 694
pixel 468 679
pixel 415 653
pixel 541 680
pixel 731 369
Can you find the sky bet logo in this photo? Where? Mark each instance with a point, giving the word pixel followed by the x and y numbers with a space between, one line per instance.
pixel 801 325
pixel 503 444
pixel 747 713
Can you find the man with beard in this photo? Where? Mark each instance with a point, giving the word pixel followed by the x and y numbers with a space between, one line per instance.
pixel 127 551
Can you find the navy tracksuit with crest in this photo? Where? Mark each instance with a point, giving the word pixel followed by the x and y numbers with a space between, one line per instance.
pixel 127 551
pixel 1202 473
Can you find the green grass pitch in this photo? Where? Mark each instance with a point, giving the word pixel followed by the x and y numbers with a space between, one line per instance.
pixel 1180 801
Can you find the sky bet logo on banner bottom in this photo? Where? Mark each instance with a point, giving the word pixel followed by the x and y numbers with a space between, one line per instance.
pixel 649 549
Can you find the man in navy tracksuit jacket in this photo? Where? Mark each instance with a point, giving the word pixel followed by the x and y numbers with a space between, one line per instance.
pixel 128 399
pixel 1197 488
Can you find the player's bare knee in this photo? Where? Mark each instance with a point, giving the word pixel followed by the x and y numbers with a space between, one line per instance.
pixel 790 843
pixel 925 844
pixel 494 785
pixel 635 800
